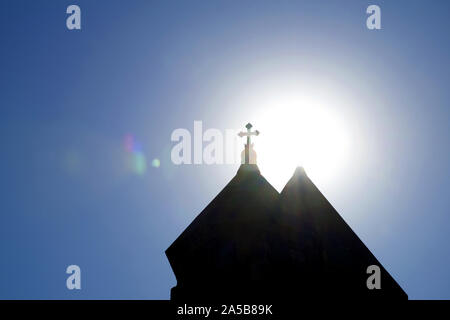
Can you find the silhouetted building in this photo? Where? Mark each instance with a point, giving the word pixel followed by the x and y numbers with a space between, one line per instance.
pixel 321 256
pixel 225 251
pixel 253 243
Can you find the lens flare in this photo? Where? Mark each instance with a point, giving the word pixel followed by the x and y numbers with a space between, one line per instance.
pixel 139 163
pixel 136 159
pixel 156 163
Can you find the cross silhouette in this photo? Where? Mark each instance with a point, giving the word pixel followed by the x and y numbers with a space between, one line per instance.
pixel 248 134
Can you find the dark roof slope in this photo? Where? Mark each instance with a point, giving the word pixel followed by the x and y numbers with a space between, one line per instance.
pixel 228 242
pixel 325 255
pixel 251 242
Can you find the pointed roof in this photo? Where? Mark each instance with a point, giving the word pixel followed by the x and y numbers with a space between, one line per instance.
pixel 323 245
pixel 252 242
pixel 227 240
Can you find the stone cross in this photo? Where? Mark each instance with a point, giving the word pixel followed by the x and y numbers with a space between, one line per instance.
pixel 248 134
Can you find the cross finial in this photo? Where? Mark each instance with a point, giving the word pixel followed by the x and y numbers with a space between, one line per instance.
pixel 248 134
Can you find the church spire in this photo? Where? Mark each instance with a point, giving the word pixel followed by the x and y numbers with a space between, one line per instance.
pixel 248 158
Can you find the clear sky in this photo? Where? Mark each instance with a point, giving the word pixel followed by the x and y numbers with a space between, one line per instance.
pixel 85 113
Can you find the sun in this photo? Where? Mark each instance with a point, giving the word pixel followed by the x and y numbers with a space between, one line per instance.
pixel 300 131
pixel 304 121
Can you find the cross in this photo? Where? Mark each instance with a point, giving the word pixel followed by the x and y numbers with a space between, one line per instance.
pixel 248 134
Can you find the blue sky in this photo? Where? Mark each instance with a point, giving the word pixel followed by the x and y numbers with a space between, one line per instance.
pixel 71 195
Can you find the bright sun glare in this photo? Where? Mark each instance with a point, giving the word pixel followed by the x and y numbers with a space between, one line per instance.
pixel 300 132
